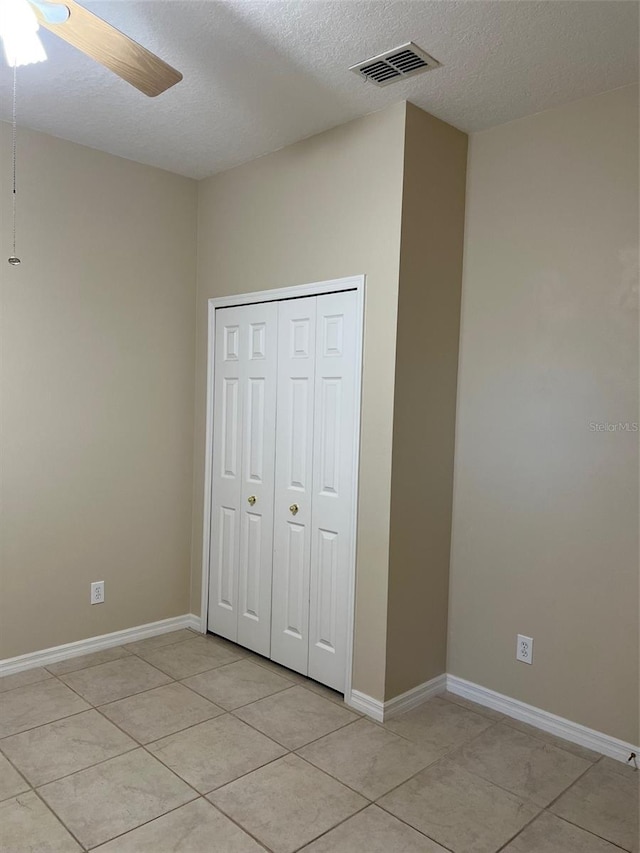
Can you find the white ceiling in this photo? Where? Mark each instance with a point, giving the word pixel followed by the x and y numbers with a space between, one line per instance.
pixel 261 74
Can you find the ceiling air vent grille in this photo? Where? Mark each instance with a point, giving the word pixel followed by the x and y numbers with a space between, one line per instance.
pixel 396 64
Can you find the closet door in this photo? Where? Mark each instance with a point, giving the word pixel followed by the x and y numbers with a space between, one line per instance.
pixel 333 486
pixel 242 477
pixel 293 479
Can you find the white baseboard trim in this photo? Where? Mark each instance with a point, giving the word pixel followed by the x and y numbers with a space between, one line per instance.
pixel 548 722
pixel 414 697
pixel 381 711
pixel 9 666
pixel 373 708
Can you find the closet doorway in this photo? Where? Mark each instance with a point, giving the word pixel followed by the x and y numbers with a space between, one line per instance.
pixel 283 428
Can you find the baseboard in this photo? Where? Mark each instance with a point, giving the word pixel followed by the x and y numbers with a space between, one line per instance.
pixel 381 711
pixel 414 697
pixel 373 708
pixel 9 666
pixel 574 732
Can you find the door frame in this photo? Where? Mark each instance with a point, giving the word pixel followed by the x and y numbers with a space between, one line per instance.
pixel 356 283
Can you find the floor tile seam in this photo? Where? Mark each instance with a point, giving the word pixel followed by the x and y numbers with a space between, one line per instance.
pixel 236 822
pixel 251 726
pixel 127 654
pixel 97 708
pixel 136 693
pixel 450 749
pixel 217 787
pixel 20 774
pixel 466 707
pixel 370 802
pixel 406 823
pixel 146 743
pixel 315 739
pixel 259 660
pixel 157 648
pixel 238 707
pixel 569 787
pixel 419 745
pixel 408 779
pixel 442 758
pixel 59 819
pixel 48 723
pixel 264 662
pixel 133 829
pixel 167 684
pixel 331 828
pixel 201 723
pixel 164 814
pixel 508 721
pixel 287 751
pixel 284 690
pixel 520 831
pixel 322 737
pixel 29 684
pixel 332 699
pixel 590 832
pixel 191 674
pixel 468 741
pixel 28 790
pixel 88 767
pixel 527 800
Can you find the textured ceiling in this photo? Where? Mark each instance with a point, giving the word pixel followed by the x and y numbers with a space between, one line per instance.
pixel 261 74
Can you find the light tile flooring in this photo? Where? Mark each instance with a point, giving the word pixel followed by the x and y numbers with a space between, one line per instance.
pixel 191 744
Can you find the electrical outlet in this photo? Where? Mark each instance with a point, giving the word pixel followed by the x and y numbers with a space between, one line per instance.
pixel 524 649
pixel 97 592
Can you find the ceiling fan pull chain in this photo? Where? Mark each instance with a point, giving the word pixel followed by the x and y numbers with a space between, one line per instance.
pixel 13 260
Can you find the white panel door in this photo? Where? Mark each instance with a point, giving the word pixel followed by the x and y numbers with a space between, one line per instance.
pixel 226 475
pixel 293 483
pixel 243 474
pixel 333 486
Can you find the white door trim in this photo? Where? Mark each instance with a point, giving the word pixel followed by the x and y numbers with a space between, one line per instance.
pixel 319 288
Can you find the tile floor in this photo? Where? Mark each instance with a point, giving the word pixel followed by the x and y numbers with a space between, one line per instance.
pixel 191 744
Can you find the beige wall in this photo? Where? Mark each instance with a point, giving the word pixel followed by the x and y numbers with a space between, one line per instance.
pixel 97 336
pixel 425 400
pixel 325 208
pixel 545 538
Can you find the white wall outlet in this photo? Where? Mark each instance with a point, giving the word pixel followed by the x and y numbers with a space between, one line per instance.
pixel 97 592
pixel 524 650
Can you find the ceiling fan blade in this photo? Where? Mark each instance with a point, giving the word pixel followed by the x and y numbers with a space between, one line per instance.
pixel 111 48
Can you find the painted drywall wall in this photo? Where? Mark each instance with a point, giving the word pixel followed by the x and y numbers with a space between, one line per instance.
pixel 425 400
pixel 325 208
pixel 545 534
pixel 97 335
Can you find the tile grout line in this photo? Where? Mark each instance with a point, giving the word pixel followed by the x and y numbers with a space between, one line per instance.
pixel 575 782
pixel 288 751
pixel 48 723
pixel 539 734
pixel 59 819
pixel 520 831
pixel 227 713
pixel 173 772
pixel 331 828
pixel 521 797
pixel 22 776
pixel 293 751
pixel 590 832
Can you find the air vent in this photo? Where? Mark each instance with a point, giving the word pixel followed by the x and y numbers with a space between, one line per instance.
pixel 395 65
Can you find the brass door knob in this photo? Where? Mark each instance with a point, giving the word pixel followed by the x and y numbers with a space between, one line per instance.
pixel 293 509
pixel 252 500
